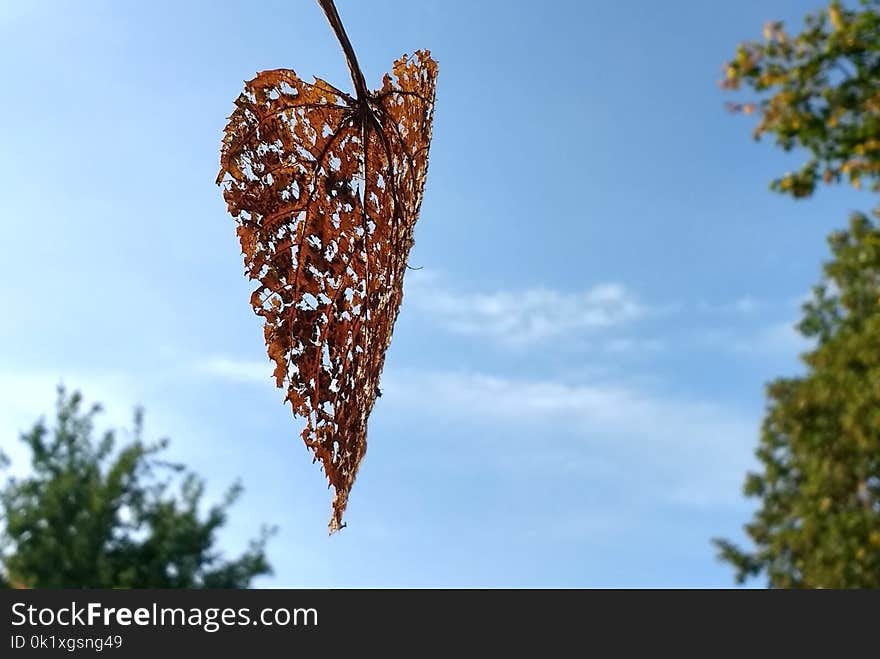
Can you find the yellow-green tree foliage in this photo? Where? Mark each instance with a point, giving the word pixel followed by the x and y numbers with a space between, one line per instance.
pixel 818 524
pixel 818 520
pixel 819 90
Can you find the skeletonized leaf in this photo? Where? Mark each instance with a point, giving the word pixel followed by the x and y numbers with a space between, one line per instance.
pixel 326 190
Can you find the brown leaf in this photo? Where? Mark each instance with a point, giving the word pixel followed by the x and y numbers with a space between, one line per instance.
pixel 326 190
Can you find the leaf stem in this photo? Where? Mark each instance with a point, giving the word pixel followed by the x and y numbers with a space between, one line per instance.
pixel 357 76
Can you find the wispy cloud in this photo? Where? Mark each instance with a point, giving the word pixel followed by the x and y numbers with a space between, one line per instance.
pixel 236 370
pixel 629 345
pixel 609 406
pixel 777 340
pixel 697 450
pixel 666 447
pixel 745 305
pixel 518 317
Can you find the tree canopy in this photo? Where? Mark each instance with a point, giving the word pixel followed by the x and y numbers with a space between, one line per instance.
pixel 90 515
pixel 818 90
pixel 818 520
pixel 818 524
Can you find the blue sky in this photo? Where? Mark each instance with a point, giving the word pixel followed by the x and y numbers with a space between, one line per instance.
pixel 575 385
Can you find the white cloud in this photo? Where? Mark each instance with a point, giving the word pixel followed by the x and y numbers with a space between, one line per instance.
pixel 629 345
pixel 518 317
pixel 746 305
pixel 698 450
pixel 778 340
pixel 237 370
pixel 743 306
pixel 608 406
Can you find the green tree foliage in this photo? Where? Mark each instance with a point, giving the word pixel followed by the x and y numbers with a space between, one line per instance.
pixel 89 515
pixel 818 525
pixel 818 90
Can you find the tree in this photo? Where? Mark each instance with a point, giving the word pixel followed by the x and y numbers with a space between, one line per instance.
pixel 818 525
pixel 91 516
pixel 819 90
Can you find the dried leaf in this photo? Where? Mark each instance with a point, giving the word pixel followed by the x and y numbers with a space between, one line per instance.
pixel 326 190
